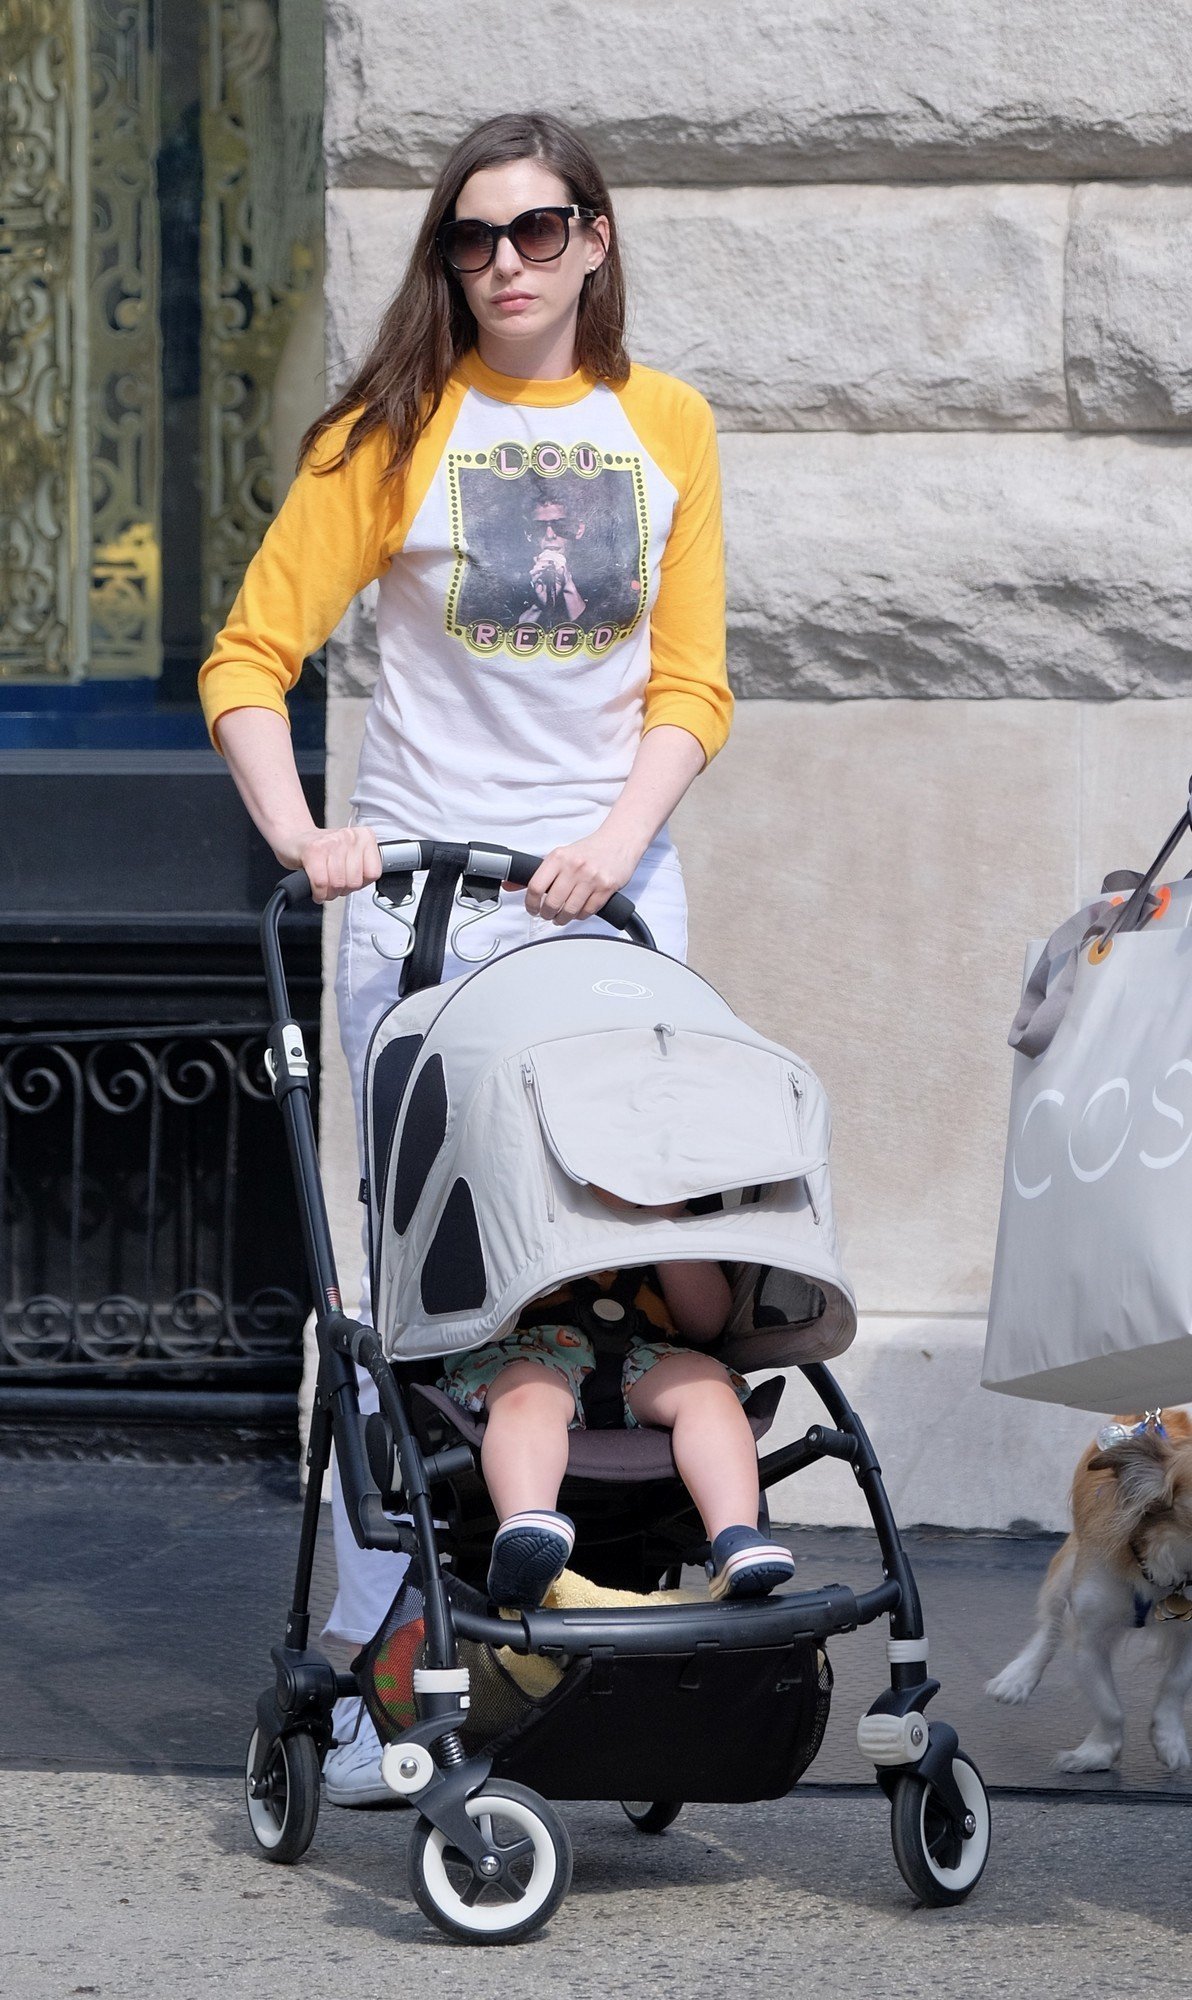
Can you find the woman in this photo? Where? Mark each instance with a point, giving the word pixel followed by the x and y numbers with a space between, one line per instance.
pixel 544 519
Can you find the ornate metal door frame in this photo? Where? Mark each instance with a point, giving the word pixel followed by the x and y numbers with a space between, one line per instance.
pixel 138 1244
pixel 80 336
pixel 80 580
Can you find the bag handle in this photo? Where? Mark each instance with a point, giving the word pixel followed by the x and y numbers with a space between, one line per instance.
pixel 1047 992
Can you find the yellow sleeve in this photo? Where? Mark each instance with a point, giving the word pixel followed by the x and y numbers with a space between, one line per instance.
pixel 333 534
pixel 688 682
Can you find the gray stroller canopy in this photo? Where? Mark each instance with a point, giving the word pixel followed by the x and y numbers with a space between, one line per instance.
pixel 496 1103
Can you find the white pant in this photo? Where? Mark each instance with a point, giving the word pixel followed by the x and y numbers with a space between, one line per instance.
pixel 365 988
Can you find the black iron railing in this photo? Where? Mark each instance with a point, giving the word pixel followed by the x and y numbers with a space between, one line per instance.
pixel 148 1234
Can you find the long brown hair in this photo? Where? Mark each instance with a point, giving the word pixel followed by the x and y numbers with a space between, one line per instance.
pixel 428 325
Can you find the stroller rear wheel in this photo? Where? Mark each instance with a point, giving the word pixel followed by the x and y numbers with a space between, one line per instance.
pixel 939 1865
pixel 283 1809
pixel 530 1852
pixel 651 1815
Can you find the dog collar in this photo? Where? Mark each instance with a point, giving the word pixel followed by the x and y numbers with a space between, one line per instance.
pixel 1111 1434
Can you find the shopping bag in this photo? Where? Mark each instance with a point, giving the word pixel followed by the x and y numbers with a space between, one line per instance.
pixel 1091 1302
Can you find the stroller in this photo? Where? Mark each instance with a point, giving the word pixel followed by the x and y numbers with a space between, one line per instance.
pixel 493 1104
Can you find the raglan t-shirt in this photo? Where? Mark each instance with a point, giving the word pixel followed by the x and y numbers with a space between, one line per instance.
pixel 551 584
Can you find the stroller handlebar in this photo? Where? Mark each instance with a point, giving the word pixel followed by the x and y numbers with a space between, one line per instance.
pixel 477 859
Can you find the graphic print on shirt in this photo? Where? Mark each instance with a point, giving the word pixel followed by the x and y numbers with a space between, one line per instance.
pixel 551 548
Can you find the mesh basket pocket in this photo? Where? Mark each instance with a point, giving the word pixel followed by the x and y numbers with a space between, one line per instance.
pixel 385 1669
pixel 823 1704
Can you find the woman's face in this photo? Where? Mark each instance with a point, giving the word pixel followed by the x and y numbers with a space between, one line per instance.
pixel 514 299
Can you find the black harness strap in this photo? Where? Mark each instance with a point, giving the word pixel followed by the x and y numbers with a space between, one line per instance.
pixel 600 1392
pixel 424 966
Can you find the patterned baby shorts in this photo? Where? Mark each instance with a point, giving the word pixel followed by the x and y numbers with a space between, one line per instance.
pixel 467 1378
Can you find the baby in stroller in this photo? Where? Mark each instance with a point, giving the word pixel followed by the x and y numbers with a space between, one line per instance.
pixel 531 1384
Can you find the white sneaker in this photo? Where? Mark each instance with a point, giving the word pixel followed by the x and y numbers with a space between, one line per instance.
pixel 352 1769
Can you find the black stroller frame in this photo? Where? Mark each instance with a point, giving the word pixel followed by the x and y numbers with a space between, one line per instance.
pixel 940 1818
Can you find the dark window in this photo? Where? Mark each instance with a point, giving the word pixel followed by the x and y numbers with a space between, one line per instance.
pixel 184 275
pixel 453 1277
pixel 391 1073
pixel 422 1134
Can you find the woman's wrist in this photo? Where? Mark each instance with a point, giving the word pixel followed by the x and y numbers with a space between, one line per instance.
pixel 628 832
pixel 667 760
pixel 624 851
pixel 289 840
pixel 257 746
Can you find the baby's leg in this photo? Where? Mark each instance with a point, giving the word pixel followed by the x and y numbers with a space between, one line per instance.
pixel 524 1453
pixel 524 1456
pixel 691 1395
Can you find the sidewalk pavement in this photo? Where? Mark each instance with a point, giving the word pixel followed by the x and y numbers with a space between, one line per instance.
pixel 138 1888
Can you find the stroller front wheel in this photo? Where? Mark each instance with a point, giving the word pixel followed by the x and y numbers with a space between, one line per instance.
pixel 283 1808
pixel 939 1865
pixel 530 1850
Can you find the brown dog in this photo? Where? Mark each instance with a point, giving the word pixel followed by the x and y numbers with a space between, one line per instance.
pixel 1129 1554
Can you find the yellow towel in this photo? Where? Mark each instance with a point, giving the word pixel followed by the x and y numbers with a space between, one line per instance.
pixel 571 1592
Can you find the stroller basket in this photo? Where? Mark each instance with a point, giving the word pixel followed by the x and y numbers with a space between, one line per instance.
pixel 707 1724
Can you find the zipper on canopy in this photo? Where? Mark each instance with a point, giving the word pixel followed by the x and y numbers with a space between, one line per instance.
pixel 530 1082
pixel 797 1093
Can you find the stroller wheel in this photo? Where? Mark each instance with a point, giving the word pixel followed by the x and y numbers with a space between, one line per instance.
pixel 529 1843
pixel 285 1808
pixel 937 1864
pixel 651 1815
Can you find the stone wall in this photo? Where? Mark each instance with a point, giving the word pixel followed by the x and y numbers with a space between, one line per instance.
pixel 928 261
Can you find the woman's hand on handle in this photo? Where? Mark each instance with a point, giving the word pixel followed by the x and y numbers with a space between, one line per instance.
pixel 577 880
pixel 338 859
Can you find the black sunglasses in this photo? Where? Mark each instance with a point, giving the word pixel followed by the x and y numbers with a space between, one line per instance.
pixel 539 235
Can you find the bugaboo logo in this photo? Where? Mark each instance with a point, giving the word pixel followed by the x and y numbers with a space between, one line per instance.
pixel 623 989
pixel 1093 1145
